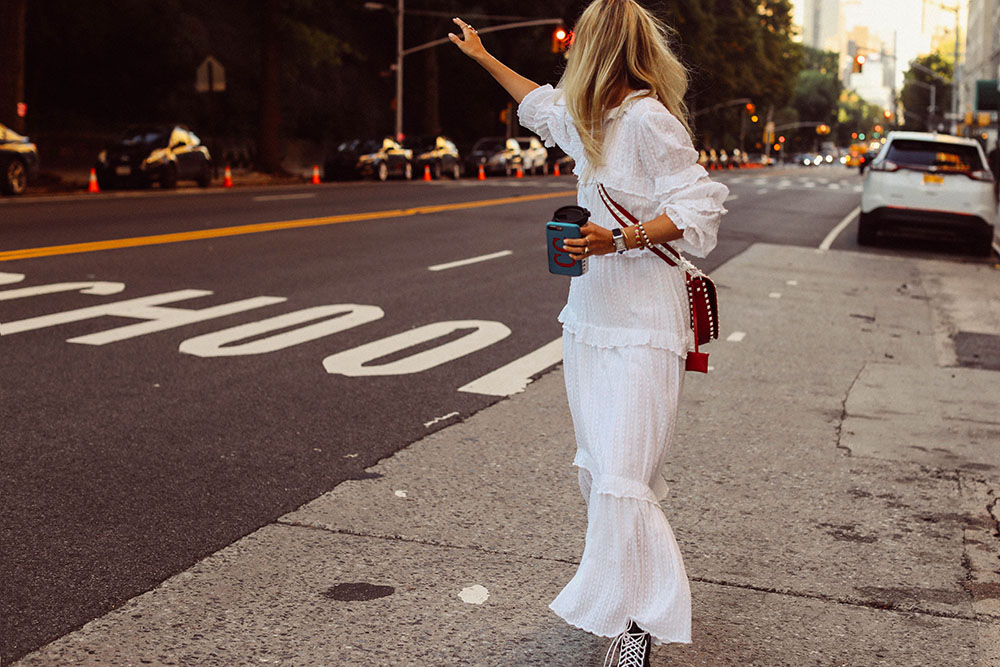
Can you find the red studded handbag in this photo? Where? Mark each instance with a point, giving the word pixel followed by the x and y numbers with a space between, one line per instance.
pixel 702 296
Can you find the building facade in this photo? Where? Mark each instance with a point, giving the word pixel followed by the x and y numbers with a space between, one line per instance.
pixel 982 61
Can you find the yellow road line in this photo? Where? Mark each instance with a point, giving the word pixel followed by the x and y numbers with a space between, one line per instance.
pixel 158 239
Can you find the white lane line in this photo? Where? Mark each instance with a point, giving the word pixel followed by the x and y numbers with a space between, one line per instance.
pixel 793 283
pixel 835 232
pixel 440 419
pixel 731 197
pixel 515 376
pixel 471 260
pixel 300 195
pixel 775 295
pixel 736 336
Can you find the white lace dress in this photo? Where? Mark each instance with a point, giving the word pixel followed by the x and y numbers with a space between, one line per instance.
pixel 625 336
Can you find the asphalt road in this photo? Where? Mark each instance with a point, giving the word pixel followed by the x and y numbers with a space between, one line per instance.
pixel 133 443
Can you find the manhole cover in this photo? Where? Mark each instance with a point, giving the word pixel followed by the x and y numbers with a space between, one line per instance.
pixel 976 350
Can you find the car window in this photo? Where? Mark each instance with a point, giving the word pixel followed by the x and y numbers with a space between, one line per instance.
pixel 193 138
pixel 151 136
pixel 489 145
pixel 935 155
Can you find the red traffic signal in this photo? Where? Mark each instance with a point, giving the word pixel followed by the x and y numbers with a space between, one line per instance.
pixel 859 63
pixel 561 39
pixel 750 108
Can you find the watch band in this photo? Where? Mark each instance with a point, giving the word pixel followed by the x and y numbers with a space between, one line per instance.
pixel 618 236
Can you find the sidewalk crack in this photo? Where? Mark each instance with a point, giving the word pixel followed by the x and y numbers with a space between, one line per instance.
pixel 430 543
pixel 843 411
pixel 849 601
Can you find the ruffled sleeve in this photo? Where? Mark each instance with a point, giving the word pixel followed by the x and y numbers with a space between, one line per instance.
pixel 543 112
pixel 682 189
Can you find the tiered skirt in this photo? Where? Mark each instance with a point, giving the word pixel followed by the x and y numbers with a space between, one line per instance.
pixel 624 405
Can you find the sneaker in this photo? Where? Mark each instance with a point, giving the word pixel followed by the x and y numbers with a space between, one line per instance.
pixel 633 648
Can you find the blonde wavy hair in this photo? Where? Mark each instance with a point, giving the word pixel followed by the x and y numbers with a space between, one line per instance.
pixel 618 46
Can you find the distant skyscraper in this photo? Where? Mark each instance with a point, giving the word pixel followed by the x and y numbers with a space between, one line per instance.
pixel 822 22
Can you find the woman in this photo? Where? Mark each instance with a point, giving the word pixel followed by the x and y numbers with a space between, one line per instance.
pixel 619 112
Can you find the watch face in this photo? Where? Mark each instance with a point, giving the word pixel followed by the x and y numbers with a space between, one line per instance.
pixel 618 236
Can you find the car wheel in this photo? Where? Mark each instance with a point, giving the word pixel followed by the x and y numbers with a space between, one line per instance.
pixel 382 171
pixel 867 230
pixel 15 177
pixel 985 246
pixel 456 171
pixel 205 178
pixel 437 171
pixel 168 177
pixel 408 172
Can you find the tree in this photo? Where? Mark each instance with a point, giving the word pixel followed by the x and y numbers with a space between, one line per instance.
pixel 916 94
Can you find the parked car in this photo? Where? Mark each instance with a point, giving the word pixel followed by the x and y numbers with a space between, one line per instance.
pixel 148 154
pixel 342 164
pixel 439 153
pixel 557 156
pixel 932 181
pixel 496 154
pixel 534 155
pixel 18 161
pixel 389 160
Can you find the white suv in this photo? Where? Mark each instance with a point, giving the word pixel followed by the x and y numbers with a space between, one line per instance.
pixel 935 181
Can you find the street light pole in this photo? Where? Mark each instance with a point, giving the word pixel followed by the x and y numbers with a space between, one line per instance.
pixel 399 72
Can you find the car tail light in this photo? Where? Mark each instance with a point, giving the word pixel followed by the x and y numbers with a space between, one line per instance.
pixel 980 175
pixel 884 165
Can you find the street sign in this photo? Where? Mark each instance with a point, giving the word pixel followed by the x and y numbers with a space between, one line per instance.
pixel 210 76
pixel 987 95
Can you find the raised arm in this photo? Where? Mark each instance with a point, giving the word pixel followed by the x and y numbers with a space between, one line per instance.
pixel 472 46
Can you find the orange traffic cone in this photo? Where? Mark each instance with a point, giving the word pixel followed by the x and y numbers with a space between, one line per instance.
pixel 520 172
pixel 227 180
pixel 427 172
pixel 92 184
pixel 555 170
pixel 315 178
pixel 482 173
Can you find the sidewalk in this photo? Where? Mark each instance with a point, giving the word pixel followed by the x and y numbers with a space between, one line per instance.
pixel 833 489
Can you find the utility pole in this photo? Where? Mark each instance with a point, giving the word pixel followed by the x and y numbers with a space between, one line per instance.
pixel 12 41
pixel 399 72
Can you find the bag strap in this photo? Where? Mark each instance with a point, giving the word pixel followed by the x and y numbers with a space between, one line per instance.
pixel 618 212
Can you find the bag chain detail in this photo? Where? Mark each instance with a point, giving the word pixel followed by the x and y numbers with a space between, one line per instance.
pixel 702 296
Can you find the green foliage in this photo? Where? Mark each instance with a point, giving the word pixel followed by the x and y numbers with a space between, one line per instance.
pixel 854 114
pixel 915 97
pixel 98 66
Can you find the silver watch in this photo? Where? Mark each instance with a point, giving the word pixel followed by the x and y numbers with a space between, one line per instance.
pixel 618 236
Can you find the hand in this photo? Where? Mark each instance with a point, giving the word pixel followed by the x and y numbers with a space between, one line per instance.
pixel 469 42
pixel 595 241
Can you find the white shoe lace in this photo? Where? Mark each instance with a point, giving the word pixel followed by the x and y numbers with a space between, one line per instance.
pixel 631 650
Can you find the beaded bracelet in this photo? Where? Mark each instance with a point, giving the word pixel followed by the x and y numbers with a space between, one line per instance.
pixel 645 238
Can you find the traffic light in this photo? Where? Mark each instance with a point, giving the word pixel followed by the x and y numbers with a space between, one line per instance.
pixel 859 63
pixel 561 39
pixel 750 108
